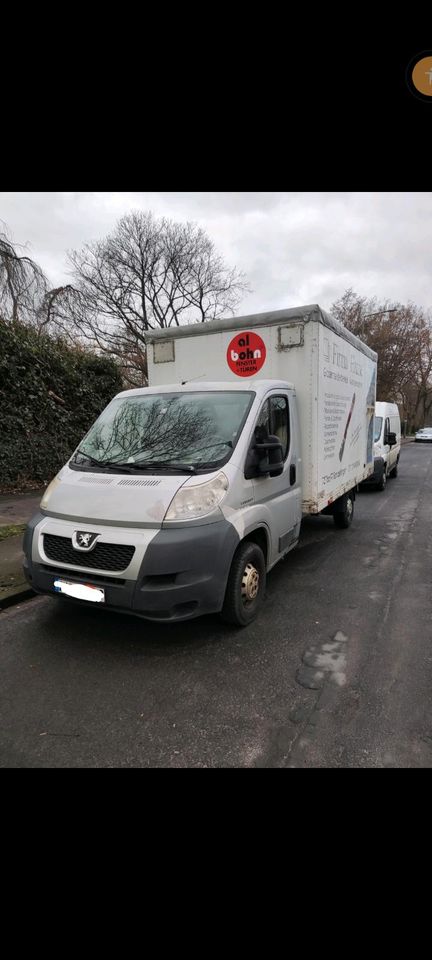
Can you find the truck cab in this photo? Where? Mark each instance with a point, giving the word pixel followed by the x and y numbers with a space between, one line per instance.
pixel 153 505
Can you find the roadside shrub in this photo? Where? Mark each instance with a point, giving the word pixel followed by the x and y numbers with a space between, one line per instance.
pixel 50 395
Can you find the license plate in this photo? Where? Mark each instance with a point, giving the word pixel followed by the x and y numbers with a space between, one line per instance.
pixel 81 591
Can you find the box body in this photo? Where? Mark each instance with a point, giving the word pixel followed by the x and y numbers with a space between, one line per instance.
pixel 333 372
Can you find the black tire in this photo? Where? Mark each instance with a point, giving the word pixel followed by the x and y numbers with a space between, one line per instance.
pixel 247 574
pixel 343 518
pixel 394 472
pixel 383 482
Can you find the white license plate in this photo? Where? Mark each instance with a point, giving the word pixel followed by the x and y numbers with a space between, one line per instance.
pixel 81 591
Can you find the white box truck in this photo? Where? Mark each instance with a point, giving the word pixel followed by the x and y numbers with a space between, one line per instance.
pixel 185 493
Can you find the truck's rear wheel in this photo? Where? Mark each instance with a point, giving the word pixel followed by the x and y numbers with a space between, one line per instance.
pixel 343 517
pixel 246 585
pixel 394 472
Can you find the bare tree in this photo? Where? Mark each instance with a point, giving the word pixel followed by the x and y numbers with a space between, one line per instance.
pixel 403 342
pixel 149 273
pixel 22 283
pixel 423 379
pixel 59 312
pixel 25 295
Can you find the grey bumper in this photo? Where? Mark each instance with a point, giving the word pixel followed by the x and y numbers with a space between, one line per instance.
pixel 376 476
pixel 183 574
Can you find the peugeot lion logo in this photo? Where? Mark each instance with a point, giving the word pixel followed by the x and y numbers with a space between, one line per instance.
pixel 82 540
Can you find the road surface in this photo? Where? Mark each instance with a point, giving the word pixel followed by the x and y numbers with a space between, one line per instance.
pixel 336 672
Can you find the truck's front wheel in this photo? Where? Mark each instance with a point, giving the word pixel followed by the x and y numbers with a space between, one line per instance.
pixel 246 585
pixel 381 485
pixel 343 517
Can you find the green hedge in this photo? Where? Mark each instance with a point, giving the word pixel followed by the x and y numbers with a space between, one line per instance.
pixel 38 432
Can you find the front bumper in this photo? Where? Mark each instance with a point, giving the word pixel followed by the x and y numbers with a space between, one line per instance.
pixel 376 476
pixel 182 574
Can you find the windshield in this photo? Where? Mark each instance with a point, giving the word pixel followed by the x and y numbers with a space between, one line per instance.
pixel 184 429
pixel 378 425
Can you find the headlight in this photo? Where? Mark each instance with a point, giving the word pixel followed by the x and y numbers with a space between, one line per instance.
pixel 197 501
pixel 49 490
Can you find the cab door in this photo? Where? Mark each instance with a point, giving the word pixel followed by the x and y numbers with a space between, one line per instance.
pixel 390 456
pixel 280 496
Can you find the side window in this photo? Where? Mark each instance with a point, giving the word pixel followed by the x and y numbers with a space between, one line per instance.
pixel 387 430
pixel 263 421
pixel 280 421
pixel 274 419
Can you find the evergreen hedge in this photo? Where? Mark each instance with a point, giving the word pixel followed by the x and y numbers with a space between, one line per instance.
pixel 38 432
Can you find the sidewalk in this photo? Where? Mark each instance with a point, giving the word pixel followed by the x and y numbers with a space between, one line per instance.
pixel 19 507
pixel 15 509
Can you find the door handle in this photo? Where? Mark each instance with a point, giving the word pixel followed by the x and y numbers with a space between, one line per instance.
pixel 293 474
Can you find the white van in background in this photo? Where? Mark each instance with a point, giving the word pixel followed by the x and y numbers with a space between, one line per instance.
pixel 387 444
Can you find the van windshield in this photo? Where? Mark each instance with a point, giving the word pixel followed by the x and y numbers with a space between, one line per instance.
pixel 190 430
pixel 378 425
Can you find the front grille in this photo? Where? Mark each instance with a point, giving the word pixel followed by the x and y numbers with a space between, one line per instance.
pixel 105 556
pixel 78 576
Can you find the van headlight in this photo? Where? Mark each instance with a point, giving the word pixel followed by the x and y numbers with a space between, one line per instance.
pixel 49 490
pixel 190 503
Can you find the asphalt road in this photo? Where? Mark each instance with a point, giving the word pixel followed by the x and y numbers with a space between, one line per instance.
pixel 336 672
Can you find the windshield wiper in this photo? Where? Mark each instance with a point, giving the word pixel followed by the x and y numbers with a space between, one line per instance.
pixel 176 464
pixel 87 457
pixel 139 464
pixel 171 464
pixel 124 467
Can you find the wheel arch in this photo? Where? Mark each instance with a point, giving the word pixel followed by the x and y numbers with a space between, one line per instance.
pixel 260 536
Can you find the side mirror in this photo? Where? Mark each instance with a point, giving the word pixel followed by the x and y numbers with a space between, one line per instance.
pixel 391 438
pixel 274 469
pixel 271 444
pixel 265 457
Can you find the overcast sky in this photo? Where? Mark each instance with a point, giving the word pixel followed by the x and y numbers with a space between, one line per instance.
pixel 295 248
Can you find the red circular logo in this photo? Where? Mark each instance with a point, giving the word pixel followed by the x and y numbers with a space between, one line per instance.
pixel 246 354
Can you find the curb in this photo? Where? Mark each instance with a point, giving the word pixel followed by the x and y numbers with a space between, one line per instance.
pixel 17 597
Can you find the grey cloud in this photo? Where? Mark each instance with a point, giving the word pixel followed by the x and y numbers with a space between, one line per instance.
pixel 293 247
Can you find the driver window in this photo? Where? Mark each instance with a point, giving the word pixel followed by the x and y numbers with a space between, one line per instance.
pixel 273 419
pixel 279 417
pixel 263 422
pixel 387 430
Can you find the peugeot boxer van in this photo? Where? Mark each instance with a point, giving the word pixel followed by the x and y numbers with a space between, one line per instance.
pixel 387 444
pixel 184 494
